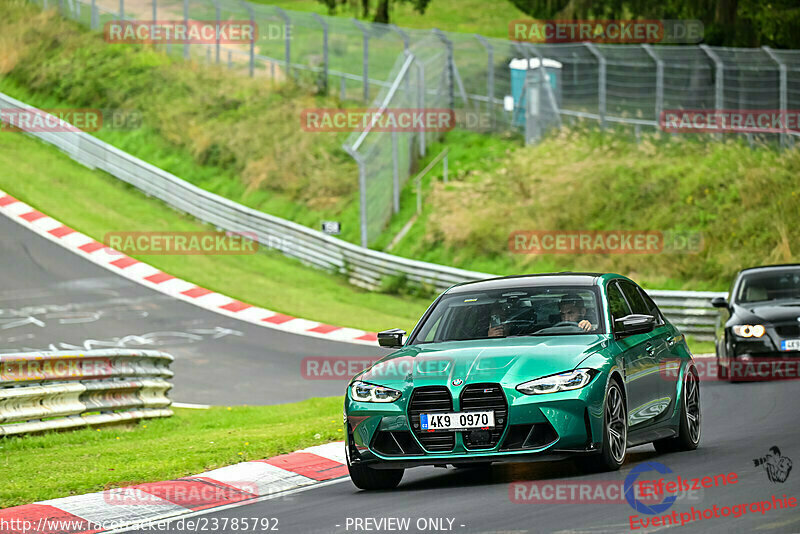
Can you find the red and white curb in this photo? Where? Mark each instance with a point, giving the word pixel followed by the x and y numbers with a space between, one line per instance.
pixel 145 504
pixel 153 278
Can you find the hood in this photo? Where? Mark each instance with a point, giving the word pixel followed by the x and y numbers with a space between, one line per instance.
pixel 506 360
pixel 772 311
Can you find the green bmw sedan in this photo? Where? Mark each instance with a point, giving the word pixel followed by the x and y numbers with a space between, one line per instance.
pixel 524 368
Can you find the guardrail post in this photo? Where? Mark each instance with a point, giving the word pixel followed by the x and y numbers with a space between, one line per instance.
pixel 782 91
pixel 365 65
pixel 601 82
pixel 489 76
pixel 324 25
pixel 287 40
pixel 659 80
pixel 719 79
pixel 252 16
pixel 395 174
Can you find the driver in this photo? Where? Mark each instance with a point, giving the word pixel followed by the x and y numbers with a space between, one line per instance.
pixel 573 310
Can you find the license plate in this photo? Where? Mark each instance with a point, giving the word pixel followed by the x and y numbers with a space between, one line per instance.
pixel 790 344
pixel 432 422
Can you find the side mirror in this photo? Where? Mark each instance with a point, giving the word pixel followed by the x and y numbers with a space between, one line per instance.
pixel 391 338
pixel 635 324
pixel 719 302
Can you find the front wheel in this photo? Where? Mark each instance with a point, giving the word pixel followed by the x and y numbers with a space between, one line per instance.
pixel 366 478
pixel 615 434
pixel 689 428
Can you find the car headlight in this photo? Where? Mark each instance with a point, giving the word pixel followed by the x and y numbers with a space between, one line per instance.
pixel 363 392
pixel 561 382
pixel 747 330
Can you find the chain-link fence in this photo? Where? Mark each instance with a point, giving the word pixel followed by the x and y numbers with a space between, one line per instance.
pixel 494 85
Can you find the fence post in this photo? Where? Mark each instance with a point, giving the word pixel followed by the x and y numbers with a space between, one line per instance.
pixel 365 66
pixel 403 35
pixel 659 80
pixel 252 16
pixel 782 91
pixel 445 165
pixel 121 9
pixel 324 25
pixel 155 18
pixel 601 82
pixel 186 25
pixel 719 69
pixel 94 21
pixel 489 76
pixel 217 12
pixel 287 40
pixel 453 77
pixel 421 102
pixel 362 193
pixel 395 174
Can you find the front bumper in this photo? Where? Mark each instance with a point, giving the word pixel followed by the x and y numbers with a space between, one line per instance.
pixel 537 427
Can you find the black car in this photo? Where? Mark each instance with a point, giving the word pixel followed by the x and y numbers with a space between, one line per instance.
pixel 760 323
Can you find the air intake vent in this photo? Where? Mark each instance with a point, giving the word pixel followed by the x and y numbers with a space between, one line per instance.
pixel 431 399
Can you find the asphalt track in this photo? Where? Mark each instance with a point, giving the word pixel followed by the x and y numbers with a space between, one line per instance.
pixel 740 423
pixel 52 299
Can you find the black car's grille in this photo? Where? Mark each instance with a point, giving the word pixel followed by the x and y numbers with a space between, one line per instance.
pixel 788 330
pixel 484 397
pixel 431 399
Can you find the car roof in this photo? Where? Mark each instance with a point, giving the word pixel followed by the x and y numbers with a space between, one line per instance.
pixel 769 267
pixel 530 280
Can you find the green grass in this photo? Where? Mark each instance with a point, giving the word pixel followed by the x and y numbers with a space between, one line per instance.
pixel 52 465
pixel 743 201
pixel 48 180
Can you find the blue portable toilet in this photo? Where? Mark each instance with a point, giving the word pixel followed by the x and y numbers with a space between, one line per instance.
pixel 519 72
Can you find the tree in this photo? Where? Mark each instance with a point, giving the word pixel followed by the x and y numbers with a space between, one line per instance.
pixel 727 22
pixel 378 10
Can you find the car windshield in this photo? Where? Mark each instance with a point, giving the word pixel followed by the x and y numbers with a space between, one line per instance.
pixel 539 311
pixel 778 284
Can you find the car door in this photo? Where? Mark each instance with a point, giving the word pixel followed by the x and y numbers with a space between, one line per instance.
pixel 665 339
pixel 641 370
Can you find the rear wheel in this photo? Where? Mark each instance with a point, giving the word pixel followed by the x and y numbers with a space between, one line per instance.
pixel 688 437
pixel 615 434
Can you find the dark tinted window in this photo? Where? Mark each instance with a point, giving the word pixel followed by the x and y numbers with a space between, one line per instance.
pixel 616 303
pixel 634 298
pixel 651 307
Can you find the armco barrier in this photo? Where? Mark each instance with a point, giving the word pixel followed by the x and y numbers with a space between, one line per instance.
pixel 65 389
pixel 363 267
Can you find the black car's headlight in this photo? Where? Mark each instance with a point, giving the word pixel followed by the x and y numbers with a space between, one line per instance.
pixel 364 392
pixel 561 382
pixel 749 330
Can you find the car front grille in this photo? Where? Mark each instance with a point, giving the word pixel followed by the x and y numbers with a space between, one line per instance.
pixel 431 399
pixel 484 397
pixel 788 330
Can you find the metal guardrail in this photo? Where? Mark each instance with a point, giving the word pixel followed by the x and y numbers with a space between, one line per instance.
pixel 363 267
pixel 64 389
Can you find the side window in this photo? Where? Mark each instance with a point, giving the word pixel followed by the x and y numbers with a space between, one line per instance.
pixel 616 303
pixel 652 308
pixel 634 298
